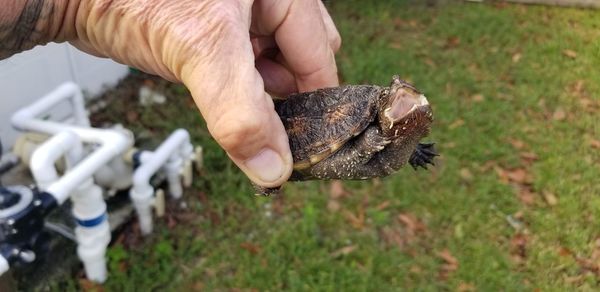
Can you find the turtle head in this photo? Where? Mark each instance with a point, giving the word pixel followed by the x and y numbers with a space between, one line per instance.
pixel 404 111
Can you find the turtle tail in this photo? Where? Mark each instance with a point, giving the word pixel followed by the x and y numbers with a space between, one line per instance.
pixel 423 155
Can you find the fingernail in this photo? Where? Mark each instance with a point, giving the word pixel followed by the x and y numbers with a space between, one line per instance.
pixel 267 165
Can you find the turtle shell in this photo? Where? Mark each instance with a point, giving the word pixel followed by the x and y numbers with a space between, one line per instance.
pixel 320 122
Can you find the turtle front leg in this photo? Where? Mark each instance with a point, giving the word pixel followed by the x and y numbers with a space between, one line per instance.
pixel 262 191
pixel 350 161
pixel 423 155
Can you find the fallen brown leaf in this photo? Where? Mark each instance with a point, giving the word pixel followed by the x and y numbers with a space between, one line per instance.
pixel 526 196
pixel 450 264
pixel 430 63
pixel 395 45
pixel 466 287
pixel 456 124
pixel 90 286
pixel 382 206
pixel 250 247
pixel 452 42
pixel 559 114
pixel 519 175
pixel 595 143
pixel 574 279
pixel 564 252
pixel 415 270
pixel 516 57
pixel 529 156
pixel 132 116
pixel 448 257
pixel 357 221
pixel 449 145
pixel 412 223
pixel 477 97
pixel 337 189
pixel 333 205
pixel 518 245
pixel 570 53
pixel 578 86
pixel 516 143
pixel 550 198
pixel 392 236
pixel 346 250
pixel 466 175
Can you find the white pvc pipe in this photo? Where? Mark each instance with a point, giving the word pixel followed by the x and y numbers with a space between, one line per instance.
pixel 92 241
pixel 174 149
pixel 43 159
pixel 3 265
pixel 171 146
pixel 112 142
pixel 67 91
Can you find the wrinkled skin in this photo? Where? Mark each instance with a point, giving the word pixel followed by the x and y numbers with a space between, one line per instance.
pixel 356 132
pixel 229 53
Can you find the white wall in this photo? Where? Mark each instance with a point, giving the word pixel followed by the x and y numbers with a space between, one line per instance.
pixel 29 75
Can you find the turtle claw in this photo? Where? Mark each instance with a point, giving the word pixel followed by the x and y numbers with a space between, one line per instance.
pixel 266 192
pixel 423 155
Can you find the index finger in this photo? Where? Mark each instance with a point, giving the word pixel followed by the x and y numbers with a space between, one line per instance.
pixel 301 35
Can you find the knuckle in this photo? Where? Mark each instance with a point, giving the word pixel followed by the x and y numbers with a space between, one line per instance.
pixel 238 134
pixel 336 42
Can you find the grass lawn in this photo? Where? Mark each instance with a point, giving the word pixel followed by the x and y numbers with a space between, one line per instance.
pixel 513 203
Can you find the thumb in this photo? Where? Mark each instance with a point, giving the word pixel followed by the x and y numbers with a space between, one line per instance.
pixel 240 115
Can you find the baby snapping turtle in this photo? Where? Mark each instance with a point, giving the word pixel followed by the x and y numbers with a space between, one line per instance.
pixel 356 131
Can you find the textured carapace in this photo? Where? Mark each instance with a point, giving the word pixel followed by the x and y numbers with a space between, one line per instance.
pixel 356 131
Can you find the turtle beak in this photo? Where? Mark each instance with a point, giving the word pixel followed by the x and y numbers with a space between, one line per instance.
pixel 405 102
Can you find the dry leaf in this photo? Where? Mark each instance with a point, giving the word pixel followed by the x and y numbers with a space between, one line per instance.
pixel 550 198
pixel 415 270
pixel 466 287
pixel 574 279
pixel 430 63
pixel 564 252
pixel 530 156
pixel 448 257
pixel 595 143
pixel 578 86
pixel 570 53
pixel 132 116
pixel 449 145
pixel 396 45
pixel 477 97
pixel 383 206
pixel 456 124
pixel 392 236
pixel 516 143
pixel 559 114
pixel 252 248
pixel 412 223
pixel 451 264
pixel 346 250
pixel 516 57
pixel 466 175
pixel 357 221
pixel 519 247
pixel 519 175
pixel 398 22
pixel 90 286
pixel 526 196
pixel 337 190
pixel 452 42
pixel 333 205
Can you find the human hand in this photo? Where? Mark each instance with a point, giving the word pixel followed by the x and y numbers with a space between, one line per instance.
pixel 227 52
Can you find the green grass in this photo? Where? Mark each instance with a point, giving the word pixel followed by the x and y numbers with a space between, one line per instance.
pixel 514 56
